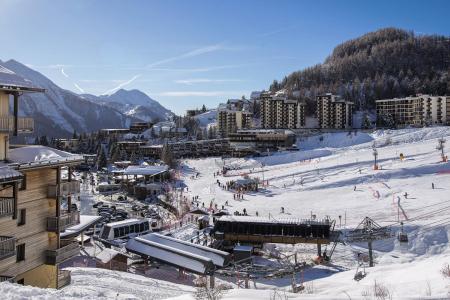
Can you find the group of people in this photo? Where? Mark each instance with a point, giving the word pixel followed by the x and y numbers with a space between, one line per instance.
pixel 238 196
pixel 244 213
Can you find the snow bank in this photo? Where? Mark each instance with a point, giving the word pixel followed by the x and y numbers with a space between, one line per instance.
pixel 207 118
pixel 334 140
pixel 91 283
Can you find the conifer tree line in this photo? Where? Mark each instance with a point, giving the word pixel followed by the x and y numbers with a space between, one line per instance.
pixel 385 64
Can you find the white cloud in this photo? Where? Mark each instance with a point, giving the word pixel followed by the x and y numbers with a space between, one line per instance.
pixel 276 31
pixel 79 88
pixel 201 93
pixel 64 73
pixel 121 85
pixel 204 80
pixel 192 53
pixel 202 69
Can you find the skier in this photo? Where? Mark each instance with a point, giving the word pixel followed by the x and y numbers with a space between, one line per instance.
pixel 406 195
pixel 282 210
pixel 432 185
pixel 354 188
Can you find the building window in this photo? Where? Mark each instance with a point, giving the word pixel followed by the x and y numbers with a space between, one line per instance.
pixel 23 183
pixel 22 217
pixel 20 252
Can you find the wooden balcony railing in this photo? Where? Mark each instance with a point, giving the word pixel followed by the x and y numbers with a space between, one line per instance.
pixel 64 278
pixel 66 251
pixel 23 124
pixel 6 206
pixel 7 246
pixel 64 189
pixel 59 224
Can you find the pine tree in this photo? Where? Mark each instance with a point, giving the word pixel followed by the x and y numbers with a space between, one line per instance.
pixel 101 159
pixel 203 108
pixel 166 155
pixel 366 124
pixel 43 140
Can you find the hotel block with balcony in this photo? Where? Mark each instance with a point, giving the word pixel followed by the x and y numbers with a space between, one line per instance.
pixel 234 115
pixel 334 112
pixel 36 194
pixel 279 112
pixel 420 110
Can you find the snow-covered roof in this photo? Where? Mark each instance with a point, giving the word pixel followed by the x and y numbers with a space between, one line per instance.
pixel 106 255
pixel 126 222
pixel 170 255
pixel 8 174
pixel 196 258
pixel 145 170
pixel 219 258
pixel 85 222
pixel 33 155
pixel 11 81
pixel 243 248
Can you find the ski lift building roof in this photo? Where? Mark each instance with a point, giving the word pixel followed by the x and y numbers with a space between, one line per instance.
pixel 145 170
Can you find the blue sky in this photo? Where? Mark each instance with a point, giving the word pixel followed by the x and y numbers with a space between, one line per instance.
pixel 188 53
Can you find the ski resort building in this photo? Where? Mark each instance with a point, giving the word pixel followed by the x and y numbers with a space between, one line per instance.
pixel 279 112
pixel 259 230
pixel 198 148
pixel 334 112
pixel 419 110
pixel 233 115
pixel 35 200
pixel 246 142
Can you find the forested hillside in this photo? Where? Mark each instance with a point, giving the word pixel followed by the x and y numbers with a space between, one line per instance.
pixel 387 63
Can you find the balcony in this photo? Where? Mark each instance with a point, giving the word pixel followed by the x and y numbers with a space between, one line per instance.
pixel 64 189
pixel 59 224
pixel 64 278
pixel 67 250
pixel 6 206
pixel 6 278
pixel 7 246
pixel 23 124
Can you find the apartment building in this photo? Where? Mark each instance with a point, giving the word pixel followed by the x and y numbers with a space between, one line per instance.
pixel 419 110
pixel 334 112
pixel 198 148
pixel 234 115
pixel 36 194
pixel 279 112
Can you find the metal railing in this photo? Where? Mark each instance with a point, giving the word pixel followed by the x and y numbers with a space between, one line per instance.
pixel 59 224
pixel 23 124
pixel 67 250
pixel 6 206
pixel 7 246
pixel 64 189
pixel 6 278
pixel 64 278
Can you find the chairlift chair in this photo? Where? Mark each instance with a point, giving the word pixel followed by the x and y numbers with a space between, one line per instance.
pixel 402 236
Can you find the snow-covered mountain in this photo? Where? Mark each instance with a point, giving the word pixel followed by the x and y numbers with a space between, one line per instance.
pixel 135 103
pixel 58 112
